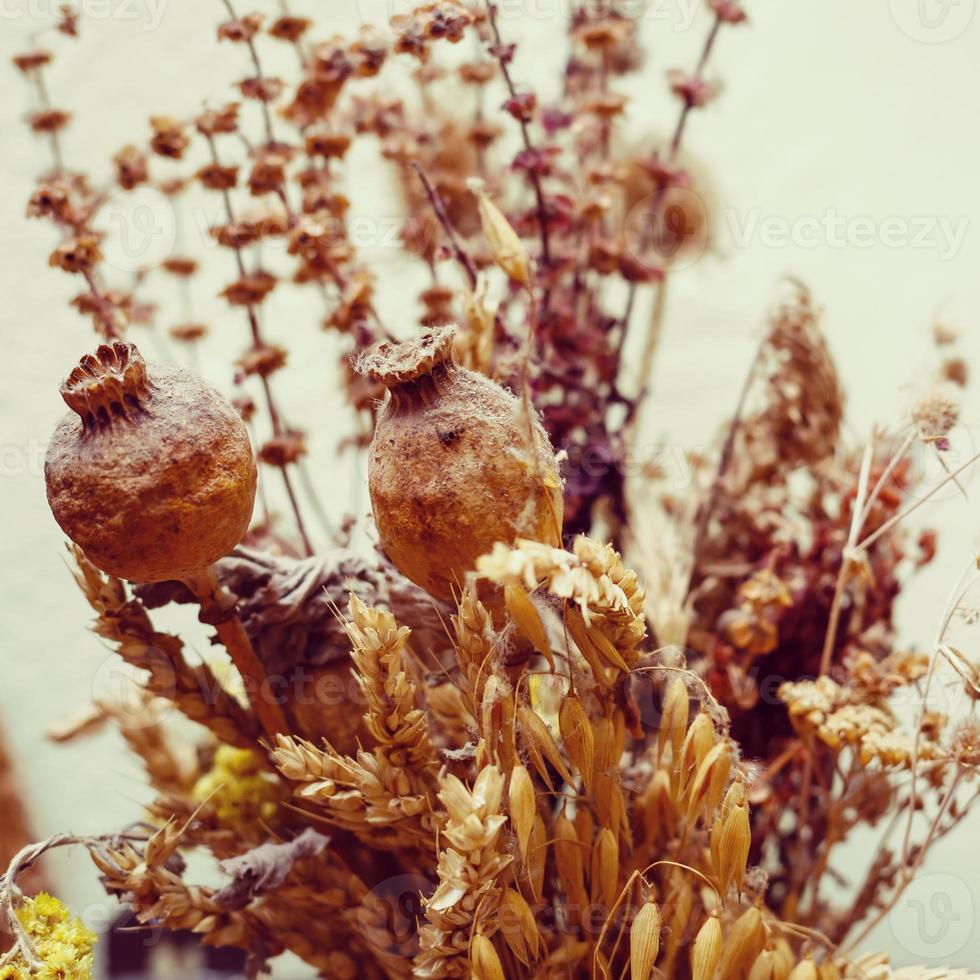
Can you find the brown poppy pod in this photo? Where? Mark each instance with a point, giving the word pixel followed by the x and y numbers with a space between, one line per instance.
pixel 151 473
pixel 452 469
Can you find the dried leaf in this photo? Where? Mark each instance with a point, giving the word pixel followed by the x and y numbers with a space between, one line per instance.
pixel 266 867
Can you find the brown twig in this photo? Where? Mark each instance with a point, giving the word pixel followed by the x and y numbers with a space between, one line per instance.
pixel 253 52
pixel 724 460
pixel 256 331
pixel 440 211
pixel 45 103
pixel 542 215
pixel 217 608
pixel 657 205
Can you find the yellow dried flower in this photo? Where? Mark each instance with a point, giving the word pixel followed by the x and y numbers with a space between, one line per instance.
pixel 239 789
pixel 60 940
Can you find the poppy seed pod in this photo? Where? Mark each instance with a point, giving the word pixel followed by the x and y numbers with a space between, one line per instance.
pixel 451 469
pixel 152 472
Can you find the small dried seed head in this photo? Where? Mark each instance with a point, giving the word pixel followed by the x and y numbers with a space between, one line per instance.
pixel 936 413
pixel 965 745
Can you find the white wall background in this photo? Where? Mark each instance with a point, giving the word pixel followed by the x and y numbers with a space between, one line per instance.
pixel 861 114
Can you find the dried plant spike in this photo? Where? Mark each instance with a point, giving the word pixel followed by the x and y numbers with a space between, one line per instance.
pixel 568 856
pixel 522 807
pixel 745 940
pixel 217 606
pixel 540 745
pixel 733 847
pixel 706 951
pixel 484 959
pixel 505 244
pixel 450 470
pixel 520 931
pixel 764 967
pixel 604 878
pixel 151 473
pixel 577 734
pixel 674 716
pixel 644 941
pixel 805 970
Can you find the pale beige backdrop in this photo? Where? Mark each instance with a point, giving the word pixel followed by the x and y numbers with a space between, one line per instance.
pixel 844 150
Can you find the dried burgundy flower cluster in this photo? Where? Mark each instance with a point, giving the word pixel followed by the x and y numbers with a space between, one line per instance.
pixel 512 755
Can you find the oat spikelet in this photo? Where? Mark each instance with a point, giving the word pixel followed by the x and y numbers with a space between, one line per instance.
pixel 706 951
pixel 505 244
pixel 577 734
pixel 744 942
pixel 644 941
pixel 522 807
pixel 520 931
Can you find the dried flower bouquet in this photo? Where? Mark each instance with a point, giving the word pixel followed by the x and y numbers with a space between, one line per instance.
pixel 523 758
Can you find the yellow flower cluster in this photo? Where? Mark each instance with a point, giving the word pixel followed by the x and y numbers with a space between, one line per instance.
pixel 240 789
pixel 60 940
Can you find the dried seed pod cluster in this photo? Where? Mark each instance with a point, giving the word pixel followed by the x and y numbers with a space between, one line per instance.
pixel 152 472
pixel 452 468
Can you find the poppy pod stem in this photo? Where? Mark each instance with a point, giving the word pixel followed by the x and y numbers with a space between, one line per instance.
pixel 218 609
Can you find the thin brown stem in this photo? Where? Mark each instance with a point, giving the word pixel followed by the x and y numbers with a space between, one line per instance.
pixel 217 608
pixel 45 102
pixel 908 874
pixel 542 213
pixel 101 307
pixel 889 524
pixel 724 460
pixel 847 558
pixel 440 211
pixel 275 417
pixel 656 208
pixel 253 52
